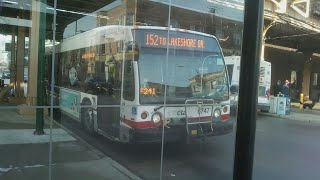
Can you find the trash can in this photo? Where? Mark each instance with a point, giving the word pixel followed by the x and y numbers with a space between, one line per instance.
pixel 283 105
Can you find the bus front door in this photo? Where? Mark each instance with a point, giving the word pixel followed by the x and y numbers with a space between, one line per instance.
pixel 109 113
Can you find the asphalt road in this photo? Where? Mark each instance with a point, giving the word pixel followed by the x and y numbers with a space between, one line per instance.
pixel 284 149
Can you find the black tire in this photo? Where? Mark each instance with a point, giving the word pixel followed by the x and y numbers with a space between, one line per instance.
pixel 87 119
pixel 57 114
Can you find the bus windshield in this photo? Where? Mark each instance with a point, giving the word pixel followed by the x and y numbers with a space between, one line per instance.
pixel 185 75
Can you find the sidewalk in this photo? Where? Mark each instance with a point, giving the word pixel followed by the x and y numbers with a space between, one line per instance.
pixel 297 105
pixel 25 156
pixel 298 115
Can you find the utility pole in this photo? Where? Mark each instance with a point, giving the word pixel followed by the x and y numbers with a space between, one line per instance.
pixel 41 64
pixel 248 89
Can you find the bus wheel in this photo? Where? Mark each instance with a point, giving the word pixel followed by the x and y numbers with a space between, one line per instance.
pixel 87 119
pixel 57 114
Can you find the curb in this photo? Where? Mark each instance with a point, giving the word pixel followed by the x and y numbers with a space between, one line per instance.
pixel 316 108
pixel 273 115
pixel 47 120
pixel 122 169
pixel 114 163
pixel 289 118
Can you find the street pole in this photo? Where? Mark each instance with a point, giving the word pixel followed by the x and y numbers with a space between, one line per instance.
pixel 13 55
pixel 41 64
pixel 248 89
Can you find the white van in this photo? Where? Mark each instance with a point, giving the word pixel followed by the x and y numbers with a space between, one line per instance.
pixel 233 67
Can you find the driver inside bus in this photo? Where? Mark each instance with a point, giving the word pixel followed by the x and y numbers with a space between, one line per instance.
pixel 146 83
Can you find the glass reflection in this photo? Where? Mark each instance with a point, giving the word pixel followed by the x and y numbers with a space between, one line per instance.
pixel 199 81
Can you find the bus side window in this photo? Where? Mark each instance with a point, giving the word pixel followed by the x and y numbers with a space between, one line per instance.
pixel 113 79
pixel 128 83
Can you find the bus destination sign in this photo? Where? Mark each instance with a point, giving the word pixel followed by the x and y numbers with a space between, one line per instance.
pixel 154 39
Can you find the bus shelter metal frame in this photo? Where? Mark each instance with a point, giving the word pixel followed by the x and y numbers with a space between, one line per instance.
pixel 248 89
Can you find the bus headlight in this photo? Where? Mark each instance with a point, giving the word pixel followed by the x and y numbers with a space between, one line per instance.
pixel 216 113
pixel 156 118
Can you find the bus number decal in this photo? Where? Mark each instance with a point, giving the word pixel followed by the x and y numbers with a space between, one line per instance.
pixel 203 110
pixel 156 37
pixel 181 113
pixel 152 40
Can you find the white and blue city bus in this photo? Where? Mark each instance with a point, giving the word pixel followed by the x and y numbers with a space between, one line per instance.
pixel 128 83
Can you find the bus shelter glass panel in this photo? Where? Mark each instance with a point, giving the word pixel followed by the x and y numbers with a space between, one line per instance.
pixel 94 76
pixel 197 118
pixel 288 129
pixel 25 31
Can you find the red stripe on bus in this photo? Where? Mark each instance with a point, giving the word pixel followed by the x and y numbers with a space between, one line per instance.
pixel 149 124
pixel 225 116
pixel 140 124
pixel 201 118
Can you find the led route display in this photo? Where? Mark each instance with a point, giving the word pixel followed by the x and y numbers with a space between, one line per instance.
pixel 158 40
